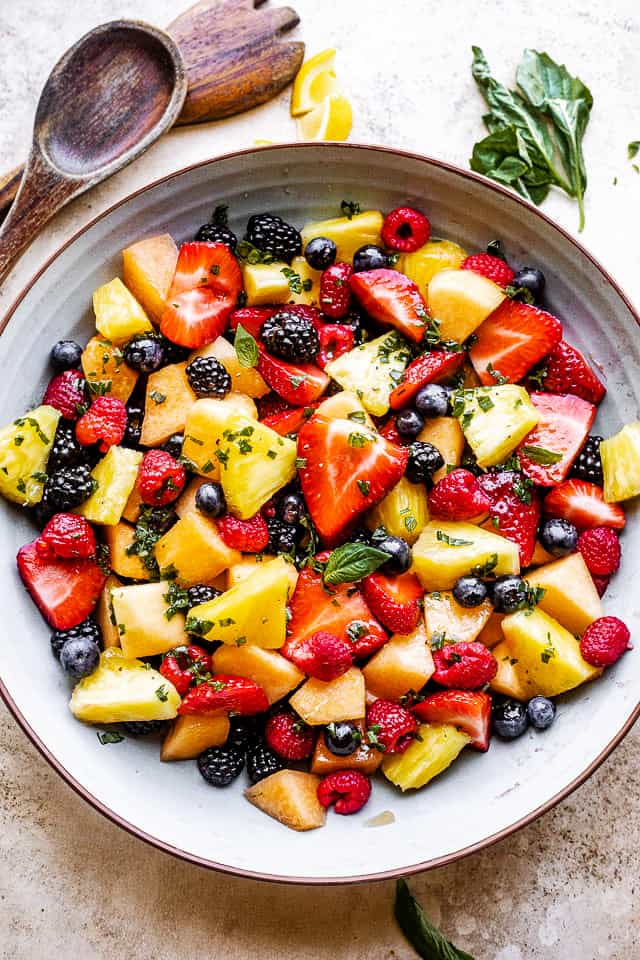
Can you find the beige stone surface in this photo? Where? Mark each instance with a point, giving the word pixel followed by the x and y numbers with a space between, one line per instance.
pixel 71 883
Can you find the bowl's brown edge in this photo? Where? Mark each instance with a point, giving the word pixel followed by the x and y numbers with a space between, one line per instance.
pixel 362 878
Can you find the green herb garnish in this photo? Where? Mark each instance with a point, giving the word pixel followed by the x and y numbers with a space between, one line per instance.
pixel 541 456
pixel 246 347
pixel 351 562
pixel 425 939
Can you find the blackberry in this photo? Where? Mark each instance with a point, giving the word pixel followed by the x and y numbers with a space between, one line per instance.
pixel 424 460
pixel 65 355
pixel 357 321
pixel 66 451
pixel 360 535
pixel 88 629
pixel 290 337
pixel 208 377
pixel 217 233
pixel 220 765
pixel 42 513
pixel 262 762
pixel 201 594
pixel 69 487
pixel 142 728
pixel 271 234
pixel 133 430
pixel 173 352
pixel 243 733
pixel 588 465
pixel 144 353
pixel 283 537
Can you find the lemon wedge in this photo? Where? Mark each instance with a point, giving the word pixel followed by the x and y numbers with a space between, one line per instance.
pixel 315 80
pixel 330 120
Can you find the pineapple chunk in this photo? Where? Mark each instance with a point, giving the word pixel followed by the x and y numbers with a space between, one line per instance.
pixel 193 551
pixel 256 463
pixel 620 457
pixel 570 595
pixel 507 681
pixel 446 619
pixel 190 735
pixel 123 690
pixel 120 539
pixel 445 434
pixel 119 316
pixel 319 702
pixel 268 668
pixel 290 796
pixel 347 234
pixel 244 380
pixel 168 401
pixel 102 363
pixel 436 255
pixel 460 300
pixel 105 616
pixel 372 371
pixel 253 612
pixel 424 759
pixel 364 758
pixel 548 657
pixel 205 424
pixel 345 406
pixel 491 634
pixel 148 267
pixel 247 565
pixel 404 663
pixel 25 446
pixel 140 612
pixel 404 511
pixel 265 283
pixel 494 420
pixel 308 278
pixel 446 551
pixel 115 476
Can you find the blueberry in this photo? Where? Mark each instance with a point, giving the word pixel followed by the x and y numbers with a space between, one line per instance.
pixel 558 537
pixel 65 355
pixel 532 280
pixel 320 253
pixel 510 719
pixel 210 499
pixel 291 508
pixel 174 444
pixel 409 423
pixel 432 400
pixel 509 594
pixel 144 354
pixel 369 257
pixel 469 591
pixel 541 712
pixel 342 739
pixel 399 553
pixel 424 460
pixel 79 657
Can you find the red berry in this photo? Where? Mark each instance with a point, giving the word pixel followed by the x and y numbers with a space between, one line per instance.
pixel 601 584
pixel 289 737
pixel 306 312
pixel 161 478
pixel 335 339
pixel 66 393
pixel 393 725
pixel 458 496
pixel 104 421
pixel 249 536
pixel 223 693
pixel 329 656
pixel 183 665
pixel 405 230
pixel 600 549
pixel 69 536
pixel 493 268
pixel 251 318
pixel 604 641
pixel 335 292
pixel 465 666
pixel 347 790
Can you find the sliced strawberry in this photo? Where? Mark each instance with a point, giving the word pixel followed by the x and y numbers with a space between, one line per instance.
pixel 390 432
pixel 391 298
pixel 429 368
pixel 299 384
pixel 203 264
pixel 582 503
pixel 65 591
pixel 251 318
pixel 515 509
pixel 512 340
pixel 224 693
pixel 395 601
pixel 468 709
pixel 271 404
pixel 346 469
pixel 289 420
pixel 565 421
pixel 567 371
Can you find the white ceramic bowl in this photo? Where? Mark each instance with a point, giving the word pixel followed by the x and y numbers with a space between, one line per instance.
pixel 483 797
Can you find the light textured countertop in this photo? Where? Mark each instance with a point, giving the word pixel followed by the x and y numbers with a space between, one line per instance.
pixel 71 883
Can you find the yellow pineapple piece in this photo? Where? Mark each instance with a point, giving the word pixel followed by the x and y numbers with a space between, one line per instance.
pixel 448 550
pixel 268 668
pixel 25 446
pixel 140 612
pixel 115 476
pixel 119 316
pixel 105 616
pixel 507 680
pixel 148 267
pixel 123 690
pixel 372 371
pixel 193 551
pixel 120 539
pixel 494 420
pixel 491 634
pixel 290 796
pixel 247 565
pixel 348 234
pixel 403 512
pixel 205 424
pixel 404 663
pixel 319 702
pixel 570 595
pixel 308 278
pixel 256 462
pixel 424 759
pixel 265 283
pixel 345 406
pixel 620 457
pixel 245 380
pixel 445 434
pixel 168 401
pixel 422 265
pixel 446 619
pixel 460 300
pixel 190 735
pixel 103 363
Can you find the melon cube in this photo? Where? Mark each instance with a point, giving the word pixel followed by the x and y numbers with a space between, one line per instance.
pixel 193 551
pixel 320 702
pixel 168 401
pixel 449 622
pixel 290 796
pixel 190 735
pixel 120 539
pixel 102 363
pixel 244 380
pixel 507 680
pixel 404 663
pixel 460 300
pixel 105 616
pixel 570 595
pixel 148 267
pixel 268 668
pixel 364 758
pixel 445 434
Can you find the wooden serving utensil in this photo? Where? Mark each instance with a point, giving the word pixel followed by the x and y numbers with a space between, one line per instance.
pixel 234 57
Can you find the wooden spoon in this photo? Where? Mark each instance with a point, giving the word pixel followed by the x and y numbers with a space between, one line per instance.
pixel 106 100
pixel 234 59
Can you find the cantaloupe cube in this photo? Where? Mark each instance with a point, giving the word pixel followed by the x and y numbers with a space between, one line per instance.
pixel 268 668
pixel 186 502
pixel 446 620
pixel 507 681
pixel 244 380
pixel 448 550
pixel 366 759
pixel 204 427
pixel 104 614
pixel 140 612
pixel 540 556
pixel 119 316
pixel 120 539
pixel 291 797
pixel 319 702
pixel 491 634
pixel 115 476
pixel 168 401
pixel 191 734
pixel 134 506
pixel 103 363
pixel 570 595
pixel 404 663
pixel 345 405
pixel 193 551
pixel 445 434
pixel 148 267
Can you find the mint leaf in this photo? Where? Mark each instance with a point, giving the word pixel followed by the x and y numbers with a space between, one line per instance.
pixel 109 736
pixel 353 561
pixel 541 456
pixel 452 541
pixel 633 149
pixel 426 939
pixel 246 347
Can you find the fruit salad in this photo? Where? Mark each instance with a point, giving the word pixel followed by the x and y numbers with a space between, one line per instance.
pixel 321 507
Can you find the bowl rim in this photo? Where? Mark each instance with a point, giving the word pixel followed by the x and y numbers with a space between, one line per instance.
pixel 394 873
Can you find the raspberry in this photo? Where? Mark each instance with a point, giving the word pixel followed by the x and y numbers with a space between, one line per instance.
pixel 600 549
pixel 289 737
pixel 493 268
pixel 465 666
pixel 66 393
pixel 458 496
pixel 329 656
pixel 161 478
pixel 249 536
pixel 604 641
pixel 335 339
pixel 405 230
pixel 104 421
pixel 392 725
pixel 335 292
pixel 69 536
pixel 601 584
pixel 347 790
pixel 183 665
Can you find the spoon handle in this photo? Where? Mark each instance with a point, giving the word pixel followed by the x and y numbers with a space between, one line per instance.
pixel 9 184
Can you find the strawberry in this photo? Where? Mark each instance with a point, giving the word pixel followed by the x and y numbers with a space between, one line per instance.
pixel 223 693
pixel 289 737
pixel 583 504
pixel 249 536
pixel 515 509
pixel 335 339
pixel 67 536
pixel 335 292
pixel 493 268
pixel 160 479
pixel 346 469
pixel 405 229
pixel 567 371
pixel 66 393
pixel 251 318
pixel 393 299
pixel 429 368
pixel 395 601
pixel 604 641
pixel 565 421
pixel 65 591
pixel 390 432
pixel 600 549
pixel 458 496
pixel 271 404
pixel 346 790
pixel 290 419
pixel 393 726
pixel 467 709
pixel 512 340
pixel 466 666
pixel 299 384
pixel 104 421
pixel 184 665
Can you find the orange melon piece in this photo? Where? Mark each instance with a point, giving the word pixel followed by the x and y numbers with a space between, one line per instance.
pixel 445 617
pixel 119 538
pixel 102 363
pixel 188 736
pixel 148 267
pixel 134 506
pixel 404 663
pixel 507 681
pixel 491 634
pixel 269 669
pixel 193 551
pixel 245 380
pixel 186 502
pixel 104 614
pixel 319 702
pixel 445 433
pixel 291 797
pixel 570 595
pixel 168 401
